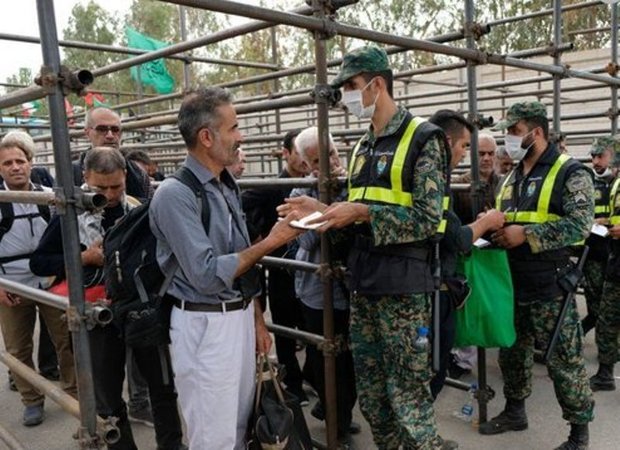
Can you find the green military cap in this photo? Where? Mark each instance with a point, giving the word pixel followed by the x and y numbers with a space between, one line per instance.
pixel 364 59
pixel 520 111
pixel 606 142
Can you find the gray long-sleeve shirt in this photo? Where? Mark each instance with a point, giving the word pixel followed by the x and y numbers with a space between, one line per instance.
pixel 207 263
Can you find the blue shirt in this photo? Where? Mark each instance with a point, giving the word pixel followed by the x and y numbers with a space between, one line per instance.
pixel 207 262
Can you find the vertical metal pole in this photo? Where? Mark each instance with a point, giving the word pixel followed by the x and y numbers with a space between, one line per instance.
pixel 276 85
pixel 472 106
pixel 68 220
pixel 325 197
pixel 557 93
pixel 614 62
pixel 183 29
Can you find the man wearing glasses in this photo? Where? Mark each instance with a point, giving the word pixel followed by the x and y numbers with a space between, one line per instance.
pixel 103 129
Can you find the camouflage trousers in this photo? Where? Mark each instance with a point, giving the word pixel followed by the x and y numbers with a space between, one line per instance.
pixel 594 276
pixel 608 323
pixel 392 374
pixel 534 322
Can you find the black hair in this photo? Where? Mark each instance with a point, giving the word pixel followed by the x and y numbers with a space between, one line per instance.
pixel 289 139
pixel 386 75
pixel 542 122
pixel 139 156
pixel 453 123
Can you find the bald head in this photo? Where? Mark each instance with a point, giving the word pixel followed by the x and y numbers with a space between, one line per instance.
pixel 103 128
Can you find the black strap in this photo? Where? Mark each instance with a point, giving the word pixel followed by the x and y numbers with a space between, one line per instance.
pixel 8 213
pixel 8 259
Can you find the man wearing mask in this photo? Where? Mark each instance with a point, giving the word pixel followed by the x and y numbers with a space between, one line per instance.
pixel 602 153
pixel 397 181
pixel 606 304
pixel 549 205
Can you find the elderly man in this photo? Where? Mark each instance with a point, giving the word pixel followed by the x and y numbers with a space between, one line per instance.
pixel 488 179
pixel 238 167
pixel 103 129
pixel 21 228
pixel 503 162
pixel 539 234
pixel 309 289
pixel 215 328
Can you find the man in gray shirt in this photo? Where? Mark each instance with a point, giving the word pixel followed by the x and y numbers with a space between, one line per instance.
pixel 215 327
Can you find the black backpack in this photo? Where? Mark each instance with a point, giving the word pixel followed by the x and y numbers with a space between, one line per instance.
pixel 8 218
pixel 133 280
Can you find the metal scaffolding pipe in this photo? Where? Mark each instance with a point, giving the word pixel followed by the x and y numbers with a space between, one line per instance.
pixel 557 79
pixel 38 295
pixel 545 12
pixel 304 336
pixel 614 62
pixel 9 440
pixel 109 432
pixel 135 51
pixel 69 228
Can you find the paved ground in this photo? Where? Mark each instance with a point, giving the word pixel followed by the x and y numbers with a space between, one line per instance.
pixel 547 429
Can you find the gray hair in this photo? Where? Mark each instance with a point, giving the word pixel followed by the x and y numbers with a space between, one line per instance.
pixel 21 140
pixel 199 110
pixel 89 121
pixel 487 137
pixel 501 152
pixel 104 160
pixel 309 138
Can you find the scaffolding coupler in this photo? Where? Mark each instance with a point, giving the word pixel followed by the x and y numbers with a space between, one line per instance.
pixel 72 82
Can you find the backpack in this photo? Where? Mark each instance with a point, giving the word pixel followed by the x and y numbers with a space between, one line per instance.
pixel 134 281
pixel 8 217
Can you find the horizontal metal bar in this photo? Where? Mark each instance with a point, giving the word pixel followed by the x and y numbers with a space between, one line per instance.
pixel 303 336
pixel 38 295
pixel 33 197
pixel 284 263
pixel 11 441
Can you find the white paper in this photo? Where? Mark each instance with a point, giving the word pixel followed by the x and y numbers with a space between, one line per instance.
pixel 599 230
pixel 303 223
pixel 481 243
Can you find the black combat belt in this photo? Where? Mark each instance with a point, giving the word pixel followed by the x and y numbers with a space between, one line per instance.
pixel 407 251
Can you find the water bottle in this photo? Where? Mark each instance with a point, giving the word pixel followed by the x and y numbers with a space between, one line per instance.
pixel 421 343
pixel 466 413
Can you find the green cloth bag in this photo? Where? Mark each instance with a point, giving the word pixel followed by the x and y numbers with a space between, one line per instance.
pixel 487 319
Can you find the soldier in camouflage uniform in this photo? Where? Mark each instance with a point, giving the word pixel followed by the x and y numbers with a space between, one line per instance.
pixel 608 320
pixel 396 184
pixel 602 153
pixel 548 200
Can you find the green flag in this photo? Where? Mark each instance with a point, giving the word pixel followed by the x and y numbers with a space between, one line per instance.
pixel 152 73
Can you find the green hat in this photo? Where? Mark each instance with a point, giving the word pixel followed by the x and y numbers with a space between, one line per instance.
pixel 364 59
pixel 520 111
pixel 603 143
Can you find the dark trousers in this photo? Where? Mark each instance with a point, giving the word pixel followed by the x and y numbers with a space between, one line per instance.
pixel 446 341
pixel 108 358
pixel 346 394
pixel 47 361
pixel 286 310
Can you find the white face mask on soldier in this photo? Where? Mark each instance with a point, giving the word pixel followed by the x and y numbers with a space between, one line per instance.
pixel 352 100
pixel 513 146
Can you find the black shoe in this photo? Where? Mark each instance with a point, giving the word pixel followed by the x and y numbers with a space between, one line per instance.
pixel 578 439
pixel 33 415
pixel 539 357
pixel 355 428
pixel 448 445
pixel 301 396
pixel 604 379
pixel 504 422
pixel 317 411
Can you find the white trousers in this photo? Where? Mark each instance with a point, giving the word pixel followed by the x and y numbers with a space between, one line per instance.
pixel 213 357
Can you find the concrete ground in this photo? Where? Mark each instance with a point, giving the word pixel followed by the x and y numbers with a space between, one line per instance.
pixel 546 427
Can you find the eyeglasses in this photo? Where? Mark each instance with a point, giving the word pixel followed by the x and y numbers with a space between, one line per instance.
pixel 104 129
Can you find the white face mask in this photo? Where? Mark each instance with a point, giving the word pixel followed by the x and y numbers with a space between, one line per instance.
pixel 353 102
pixel 513 147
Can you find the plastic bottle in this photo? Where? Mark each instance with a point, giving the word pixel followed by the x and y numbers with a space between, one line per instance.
pixel 466 413
pixel 421 343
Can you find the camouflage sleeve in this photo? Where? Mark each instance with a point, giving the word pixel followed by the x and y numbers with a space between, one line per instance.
pixel 400 224
pixel 578 204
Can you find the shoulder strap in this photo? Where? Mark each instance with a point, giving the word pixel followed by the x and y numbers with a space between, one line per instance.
pixel 8 216
pixel 44 210
pixel 187 177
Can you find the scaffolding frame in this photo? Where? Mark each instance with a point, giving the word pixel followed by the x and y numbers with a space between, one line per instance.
pixel 315 17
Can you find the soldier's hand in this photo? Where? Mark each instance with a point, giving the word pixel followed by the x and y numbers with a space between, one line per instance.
pixel 614 231
pixel 341 214
pixel 602 221
pixel 510 237
pixel 303 206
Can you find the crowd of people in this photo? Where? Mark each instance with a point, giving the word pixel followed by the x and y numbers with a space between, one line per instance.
pixel 384 223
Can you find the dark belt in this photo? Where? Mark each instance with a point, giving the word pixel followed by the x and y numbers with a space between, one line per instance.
pixel 208 307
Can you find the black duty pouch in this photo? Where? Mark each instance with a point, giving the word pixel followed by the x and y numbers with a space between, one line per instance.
pixel 458 291
pixel 569 277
